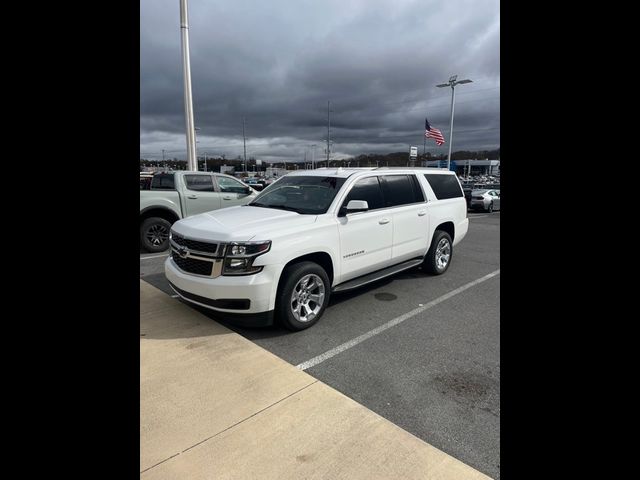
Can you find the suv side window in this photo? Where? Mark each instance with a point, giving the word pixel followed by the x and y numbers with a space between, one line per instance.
pixel 444 186
pixel 199 183
pixel 367 189
pixel 229 185
pixel 398 190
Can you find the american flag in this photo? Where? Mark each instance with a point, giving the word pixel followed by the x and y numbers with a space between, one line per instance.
pixel 434 133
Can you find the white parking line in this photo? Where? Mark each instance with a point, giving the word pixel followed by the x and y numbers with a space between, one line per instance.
pixel 391 323
pixel 155 256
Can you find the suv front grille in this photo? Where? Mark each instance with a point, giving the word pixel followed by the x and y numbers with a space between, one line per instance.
pixel 194 244
pixel 192 265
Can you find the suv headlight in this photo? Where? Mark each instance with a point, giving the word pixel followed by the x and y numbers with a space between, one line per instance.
pixel 239 257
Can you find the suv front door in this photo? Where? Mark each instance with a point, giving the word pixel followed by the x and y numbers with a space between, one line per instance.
pixel 365 237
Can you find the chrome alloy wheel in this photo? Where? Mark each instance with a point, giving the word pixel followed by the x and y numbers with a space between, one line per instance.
pixel 307 298
pixel 157 234
pixel 443 253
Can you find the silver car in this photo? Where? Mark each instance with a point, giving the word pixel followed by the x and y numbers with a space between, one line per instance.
pixel 487 200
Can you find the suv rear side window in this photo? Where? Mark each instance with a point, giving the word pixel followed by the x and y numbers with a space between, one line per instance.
pixel 367 189
pixel 163 181
pixel 399 190
pixel 199 183
pixel 444 186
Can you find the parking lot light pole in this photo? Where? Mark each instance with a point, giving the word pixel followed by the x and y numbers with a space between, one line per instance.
pixel 195 148
pixel 453 81
pixel 188 99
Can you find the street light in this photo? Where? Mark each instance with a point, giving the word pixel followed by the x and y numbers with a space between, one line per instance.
pixel 453 81
pixel 195 147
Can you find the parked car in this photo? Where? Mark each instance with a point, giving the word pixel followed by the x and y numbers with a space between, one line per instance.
pixel 255 184
pixel 487 200
pixel 145 181
pixel 311 234
pixel 176 195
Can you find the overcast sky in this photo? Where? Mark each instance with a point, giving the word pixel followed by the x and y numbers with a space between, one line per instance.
pixel 278 62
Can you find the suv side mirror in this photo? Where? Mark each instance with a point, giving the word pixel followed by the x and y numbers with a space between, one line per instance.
pixel 356 206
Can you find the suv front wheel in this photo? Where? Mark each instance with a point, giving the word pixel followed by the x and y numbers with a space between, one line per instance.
pixel 304 295
pixel 440 253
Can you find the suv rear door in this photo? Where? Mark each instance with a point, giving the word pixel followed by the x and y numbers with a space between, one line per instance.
pixel 405 201
pixel 365 237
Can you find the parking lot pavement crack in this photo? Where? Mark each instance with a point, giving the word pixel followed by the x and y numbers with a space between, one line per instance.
pixel 391 323
pixel 230 427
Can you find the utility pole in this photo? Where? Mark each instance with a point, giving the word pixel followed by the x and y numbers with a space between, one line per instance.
pixel 188 99
pixel 244 140
pixel 313 156
pixel 328 131
pixel 195 136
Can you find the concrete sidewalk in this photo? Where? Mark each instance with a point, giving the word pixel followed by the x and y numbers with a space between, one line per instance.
pixel 214 405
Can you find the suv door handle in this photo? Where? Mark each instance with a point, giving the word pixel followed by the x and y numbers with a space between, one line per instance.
pixel 422 213
pixel 384 221
pixel 226 198
pixel 192 196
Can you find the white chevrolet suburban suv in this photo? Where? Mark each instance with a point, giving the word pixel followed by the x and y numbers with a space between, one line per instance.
pixel 313 233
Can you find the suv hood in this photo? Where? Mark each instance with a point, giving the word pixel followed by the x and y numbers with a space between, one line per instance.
pixel 240 223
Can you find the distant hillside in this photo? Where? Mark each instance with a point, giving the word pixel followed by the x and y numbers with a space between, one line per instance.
pixel 401 158
pixel 395 159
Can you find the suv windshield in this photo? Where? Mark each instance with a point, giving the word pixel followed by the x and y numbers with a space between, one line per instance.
pixel 307 195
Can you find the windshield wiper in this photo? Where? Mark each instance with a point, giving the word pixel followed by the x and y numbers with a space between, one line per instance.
pixel 279 207
pixel 284 207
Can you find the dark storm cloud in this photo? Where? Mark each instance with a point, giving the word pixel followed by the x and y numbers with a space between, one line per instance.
pixel 277 63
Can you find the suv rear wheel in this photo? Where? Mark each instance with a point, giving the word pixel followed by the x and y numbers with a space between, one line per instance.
pixel 440 253
pixel 303 296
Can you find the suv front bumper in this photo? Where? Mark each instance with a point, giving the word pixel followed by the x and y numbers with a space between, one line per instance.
pixel 247 299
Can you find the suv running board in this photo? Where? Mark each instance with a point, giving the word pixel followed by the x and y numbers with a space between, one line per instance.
pixel 372 277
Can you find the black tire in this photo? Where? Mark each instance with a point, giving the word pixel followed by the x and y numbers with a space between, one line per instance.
pixel 288 281
pixel 430 263
pixel 154 234
pixel 490 209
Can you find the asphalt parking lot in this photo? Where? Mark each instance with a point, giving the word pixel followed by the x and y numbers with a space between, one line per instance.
pixel 422 351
